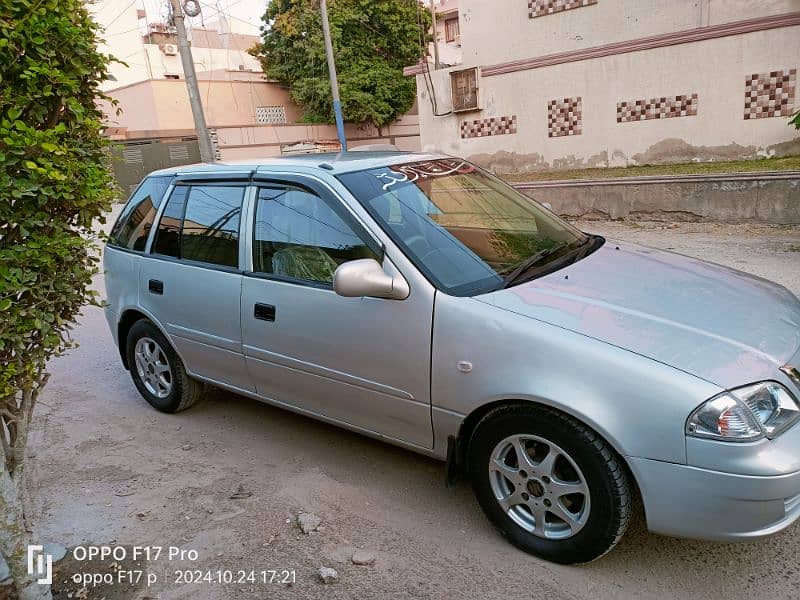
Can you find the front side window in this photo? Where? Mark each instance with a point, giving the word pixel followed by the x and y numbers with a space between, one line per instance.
pixel 299 236
pixel 136 219
pixel 468 231
pixel 201 223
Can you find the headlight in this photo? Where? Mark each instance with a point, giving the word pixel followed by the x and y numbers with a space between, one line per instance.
pixel 745 414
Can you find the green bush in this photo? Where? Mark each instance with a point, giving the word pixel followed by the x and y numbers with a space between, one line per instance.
pixel 54 182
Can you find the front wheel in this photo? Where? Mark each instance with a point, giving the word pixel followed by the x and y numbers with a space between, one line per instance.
pixel 551 485
pixel 157 370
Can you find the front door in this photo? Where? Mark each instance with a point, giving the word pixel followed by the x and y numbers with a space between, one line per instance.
pixel 364 362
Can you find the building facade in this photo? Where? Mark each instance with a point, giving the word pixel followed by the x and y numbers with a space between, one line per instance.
pixel 556 84
pixel 448 32
pixel 250 117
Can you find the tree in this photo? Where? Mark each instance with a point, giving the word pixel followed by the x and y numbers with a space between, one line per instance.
pixel 795 120
pixel 54 181
pixel 372 40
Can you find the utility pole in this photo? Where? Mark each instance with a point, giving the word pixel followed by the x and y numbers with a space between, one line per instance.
pixel 203 136
pixel 435 37
pixel 337 104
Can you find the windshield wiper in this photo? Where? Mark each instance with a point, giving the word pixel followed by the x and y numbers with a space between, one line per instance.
pixel 529 262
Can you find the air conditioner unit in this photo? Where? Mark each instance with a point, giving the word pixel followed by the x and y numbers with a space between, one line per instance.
pixel 465 88
pixel 170 49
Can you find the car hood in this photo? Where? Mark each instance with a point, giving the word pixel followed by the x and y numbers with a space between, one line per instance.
pixel 722 325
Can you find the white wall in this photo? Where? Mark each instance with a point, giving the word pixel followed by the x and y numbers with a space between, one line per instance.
pixel 714 69
pixel 492 35
pixel 122 37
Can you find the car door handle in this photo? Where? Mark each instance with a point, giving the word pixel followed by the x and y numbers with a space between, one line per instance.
pixel 264 312
pixel 155 286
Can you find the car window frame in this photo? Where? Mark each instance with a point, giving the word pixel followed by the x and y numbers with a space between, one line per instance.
pixel 156 217
pixel 205 179
pixel 327 195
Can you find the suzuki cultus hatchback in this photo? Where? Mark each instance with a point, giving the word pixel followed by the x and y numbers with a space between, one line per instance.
pixel 419 300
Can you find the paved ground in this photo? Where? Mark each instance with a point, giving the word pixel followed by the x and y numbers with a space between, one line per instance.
pixel 108 469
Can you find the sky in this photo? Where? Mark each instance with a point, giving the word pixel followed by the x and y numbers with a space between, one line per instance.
pixel 242 12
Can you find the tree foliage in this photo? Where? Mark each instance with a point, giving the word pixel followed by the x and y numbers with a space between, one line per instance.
pixel 54 181
pixel 795 120
pixel 372 41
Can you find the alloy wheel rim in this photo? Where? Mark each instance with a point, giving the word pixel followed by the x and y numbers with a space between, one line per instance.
pixel 153 367
pixel 539 486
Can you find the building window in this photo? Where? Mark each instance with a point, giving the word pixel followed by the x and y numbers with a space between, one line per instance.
pixel 464 89
pixel 270 115
pixel 451 32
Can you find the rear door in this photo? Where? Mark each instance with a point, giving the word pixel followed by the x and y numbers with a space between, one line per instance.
pixel 191 279
pixel 364 362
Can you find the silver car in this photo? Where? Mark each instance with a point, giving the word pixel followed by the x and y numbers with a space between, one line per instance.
pixel 419 300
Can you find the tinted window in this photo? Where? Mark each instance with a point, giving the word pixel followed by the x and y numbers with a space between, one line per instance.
pixel 136 219
pixel 298 235
pixel 211 225
pixel 168 236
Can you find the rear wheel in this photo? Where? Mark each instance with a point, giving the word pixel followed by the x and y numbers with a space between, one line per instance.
pixel 550 484
pixel 157 371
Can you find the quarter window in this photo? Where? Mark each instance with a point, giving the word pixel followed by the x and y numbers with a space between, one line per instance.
pixel 168 236
pixel 134 223
pixel 299 236
pixel 201 223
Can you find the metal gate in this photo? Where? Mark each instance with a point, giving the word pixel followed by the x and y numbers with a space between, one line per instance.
pixel 134 159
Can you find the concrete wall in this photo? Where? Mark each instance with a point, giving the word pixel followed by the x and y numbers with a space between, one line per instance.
pixel 714 70
pixel 745 197
pixel 264 141
pixel 164 104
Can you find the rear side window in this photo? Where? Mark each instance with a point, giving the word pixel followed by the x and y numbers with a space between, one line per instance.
pixel 201 223
pixel 134 223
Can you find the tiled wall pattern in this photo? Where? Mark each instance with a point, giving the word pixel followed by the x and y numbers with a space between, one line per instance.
pixel 490 126
pixel 564 117
pixel 657 108
pixel 769 94
pixel 540 8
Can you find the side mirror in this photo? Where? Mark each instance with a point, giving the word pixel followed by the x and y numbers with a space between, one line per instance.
pixel 365 277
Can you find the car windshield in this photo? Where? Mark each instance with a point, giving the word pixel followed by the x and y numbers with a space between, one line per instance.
pixel 469 232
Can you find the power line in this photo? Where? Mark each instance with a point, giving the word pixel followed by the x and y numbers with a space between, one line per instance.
pixel 122 12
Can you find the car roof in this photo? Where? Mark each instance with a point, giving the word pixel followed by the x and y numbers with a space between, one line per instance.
pixel 329 162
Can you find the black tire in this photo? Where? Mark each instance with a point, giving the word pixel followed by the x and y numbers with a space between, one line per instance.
pixel 609 508
pixel 183 390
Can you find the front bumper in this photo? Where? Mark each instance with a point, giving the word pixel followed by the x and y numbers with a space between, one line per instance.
pixel 691 502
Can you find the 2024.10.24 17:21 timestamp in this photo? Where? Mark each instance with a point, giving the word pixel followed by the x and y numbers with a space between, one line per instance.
pixel 285 576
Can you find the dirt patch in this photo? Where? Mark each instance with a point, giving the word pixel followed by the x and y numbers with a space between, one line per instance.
pixel 675 150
